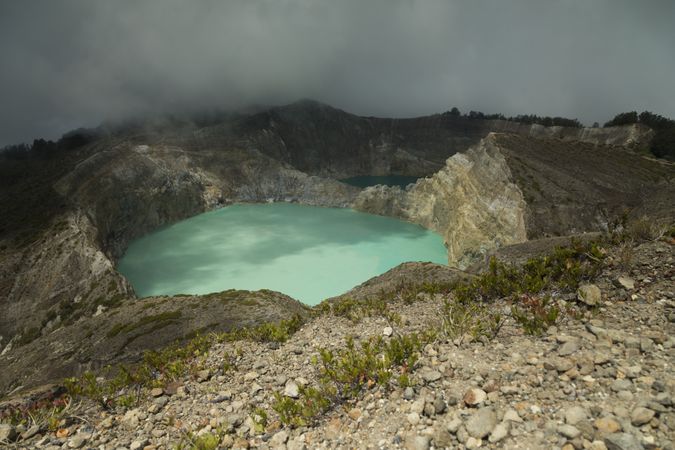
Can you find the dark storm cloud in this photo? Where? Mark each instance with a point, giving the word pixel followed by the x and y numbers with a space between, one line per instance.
pixel 71 63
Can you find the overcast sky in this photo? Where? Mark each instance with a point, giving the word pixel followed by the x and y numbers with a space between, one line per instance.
pixel 71 63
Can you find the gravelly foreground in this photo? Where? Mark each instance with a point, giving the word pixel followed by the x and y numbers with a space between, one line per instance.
pixel 605 381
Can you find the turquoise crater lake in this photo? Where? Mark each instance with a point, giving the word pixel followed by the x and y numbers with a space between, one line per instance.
pixel 309 253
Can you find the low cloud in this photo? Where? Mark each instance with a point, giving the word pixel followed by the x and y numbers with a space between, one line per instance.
pixel 78 62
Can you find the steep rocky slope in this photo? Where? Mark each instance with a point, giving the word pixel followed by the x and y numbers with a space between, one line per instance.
pixel 472 202
pixel 509 188
pixel 123 332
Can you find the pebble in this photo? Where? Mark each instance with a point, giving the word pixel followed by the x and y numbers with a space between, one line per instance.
pixel 474 397
pixel 607 425
pixel 481 423
pixel 569 431
pixel 622 441
pixel 589 294
pixel 575 414
pixel 641 416
pixel 626 282
pixel 499 432
pixel 568 348
pixel 417 442
pixel 292 389
pixel 280 438
pixel 157 392
pixel 430 375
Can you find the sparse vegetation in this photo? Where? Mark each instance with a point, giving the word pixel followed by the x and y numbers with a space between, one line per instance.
pixel 46 415
pixel 535 313
pixel 345 374
pixel 205 441
pixel 474 320
pixel 119 386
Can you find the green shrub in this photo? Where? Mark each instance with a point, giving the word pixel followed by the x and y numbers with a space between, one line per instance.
pixel 347 373
pixel 535 314
pixel 473 319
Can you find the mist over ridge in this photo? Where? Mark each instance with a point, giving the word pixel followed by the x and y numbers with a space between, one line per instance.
pixel 77 63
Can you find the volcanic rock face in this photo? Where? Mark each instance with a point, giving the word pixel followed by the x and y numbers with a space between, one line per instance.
pixel 472 202
pixel 134 189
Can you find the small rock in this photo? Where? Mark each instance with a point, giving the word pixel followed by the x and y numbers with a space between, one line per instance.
pixel 607 425
pixel 388 331
pixel 250 376
pixel 499 432
pixel 157 392
pixel 78 440
pixel 354 413
pixel 512 415
pixel 291 389
pixel 568 348
pixel 622 384
pixel 474 397
pixel 139 444
pixel 575 414
pixel 107 423
pixel 203 375
pixel 559 364
pixel 409 393
pixel 491 386
pixel 413 418
pixel 430 375
pixel 622 441
pixel 417 443
pixel 453 425
pixel 293 444
pixel 7 433
pixel 569 431
pixel 589 294
pixel 641 416
pixel 255 388
pixel 473 443
pixel 439 405
pixel 481 423
pixel 279 438
pixel 626 282
pixel 241 443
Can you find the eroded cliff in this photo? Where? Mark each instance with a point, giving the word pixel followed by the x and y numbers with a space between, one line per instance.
pixel 472 202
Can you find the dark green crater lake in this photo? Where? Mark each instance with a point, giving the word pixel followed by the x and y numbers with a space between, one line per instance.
pixel 309 253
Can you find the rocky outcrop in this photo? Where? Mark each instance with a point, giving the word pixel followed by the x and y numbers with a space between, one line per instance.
pixel 64 274
pixel 635 136
pixel 509 188
pixel 472 202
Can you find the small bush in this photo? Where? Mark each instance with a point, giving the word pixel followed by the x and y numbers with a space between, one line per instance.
pixel 469 319
pixel 356 310
pixel 346 374
pixel 535 314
